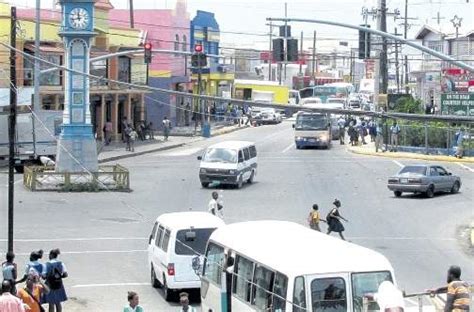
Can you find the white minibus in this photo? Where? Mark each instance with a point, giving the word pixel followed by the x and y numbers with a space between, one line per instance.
pixel 284 266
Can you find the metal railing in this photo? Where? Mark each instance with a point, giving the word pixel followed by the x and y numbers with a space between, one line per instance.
pixel 108 177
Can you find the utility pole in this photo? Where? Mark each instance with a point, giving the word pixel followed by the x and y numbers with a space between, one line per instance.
pixel 12 128
pixel 352 67
pixel 313 64
pixel 405 34
pixel 383 53
pixel 397 64
pixel 286 36
pixel 132 17
pixel 37 73
pixel 270 57
pixel 301 53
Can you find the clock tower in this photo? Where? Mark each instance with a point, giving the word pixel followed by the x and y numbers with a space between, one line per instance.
pixel 77 148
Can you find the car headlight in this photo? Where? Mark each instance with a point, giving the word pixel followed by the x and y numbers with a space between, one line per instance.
pixel 202 170
pixel 299 138
pixel 231 171
pixel 323 137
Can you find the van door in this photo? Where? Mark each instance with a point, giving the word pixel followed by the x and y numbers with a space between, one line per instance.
pixel 247 165
pixel 151 243
pixel 241 164
pixel 189 243
pixel 159 258
pixel 329 292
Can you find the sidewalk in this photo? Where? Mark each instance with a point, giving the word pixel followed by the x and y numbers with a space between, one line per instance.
pixel 116 150
pixel 369 150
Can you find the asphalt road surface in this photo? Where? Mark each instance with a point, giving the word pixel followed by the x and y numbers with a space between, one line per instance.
pixel 103 236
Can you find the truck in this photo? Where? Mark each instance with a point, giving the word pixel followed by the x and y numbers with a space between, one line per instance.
pixel 36 136
pixel 253 89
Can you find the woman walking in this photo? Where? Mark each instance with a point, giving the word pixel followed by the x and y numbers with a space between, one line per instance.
pixel 334 220
pixel 55 272
pixel 133 303
pixel 10 271
pixel 32 293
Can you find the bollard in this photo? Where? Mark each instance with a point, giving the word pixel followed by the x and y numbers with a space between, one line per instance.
pixel 420 303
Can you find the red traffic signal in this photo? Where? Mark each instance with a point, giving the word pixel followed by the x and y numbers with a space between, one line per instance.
pixel 148 46
pixel 198 48
pixel 147 49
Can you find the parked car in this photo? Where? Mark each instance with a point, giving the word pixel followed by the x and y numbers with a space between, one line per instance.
pixel 426 179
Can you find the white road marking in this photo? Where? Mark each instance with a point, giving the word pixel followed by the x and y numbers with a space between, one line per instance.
pixel 74 239
pixel 89 252
pixel 292 145
pixel 398 163
pixel 109 285
pixel 466 167
pixel 402 238
pixel 182 152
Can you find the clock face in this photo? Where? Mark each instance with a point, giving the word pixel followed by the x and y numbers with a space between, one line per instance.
pixel 78 18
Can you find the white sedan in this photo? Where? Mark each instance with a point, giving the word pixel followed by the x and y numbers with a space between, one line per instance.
pixel 269 115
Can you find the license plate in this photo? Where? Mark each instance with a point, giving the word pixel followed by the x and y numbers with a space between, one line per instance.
pixel 312 140
pixel 404 181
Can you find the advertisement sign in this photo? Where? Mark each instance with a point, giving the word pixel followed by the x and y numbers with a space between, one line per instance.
pixel 461 104
pixel 455 80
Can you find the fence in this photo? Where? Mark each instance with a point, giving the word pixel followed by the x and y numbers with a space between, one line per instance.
pixel 429 139
pixel 110 178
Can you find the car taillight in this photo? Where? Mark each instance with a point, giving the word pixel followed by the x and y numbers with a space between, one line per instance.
pixel 171 269
pixel 414 181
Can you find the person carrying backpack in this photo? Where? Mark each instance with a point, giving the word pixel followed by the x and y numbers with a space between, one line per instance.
pixel 54 273
pixel 314 218
pixel 394 134
pixel 9 271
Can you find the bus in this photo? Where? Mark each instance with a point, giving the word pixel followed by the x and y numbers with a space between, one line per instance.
pixel 333 90
pixel 283 266
pixel 312 130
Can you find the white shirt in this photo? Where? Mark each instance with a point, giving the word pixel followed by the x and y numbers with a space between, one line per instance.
pixel 213 208
pixel 388 296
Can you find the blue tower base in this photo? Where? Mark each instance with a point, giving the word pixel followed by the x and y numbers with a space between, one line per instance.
pixel 77 150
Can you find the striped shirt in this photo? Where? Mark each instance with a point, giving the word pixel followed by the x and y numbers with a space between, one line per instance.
pixel 459 290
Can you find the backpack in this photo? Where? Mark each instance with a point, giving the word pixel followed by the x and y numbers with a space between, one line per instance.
pixel 54 277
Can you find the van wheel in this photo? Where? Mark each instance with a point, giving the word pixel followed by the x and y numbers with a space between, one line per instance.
pixel 455 187
pixel 241 182
pixel 397 193
pixel 154 281
pixel 168 293
pixel 252 176
pixel 204 184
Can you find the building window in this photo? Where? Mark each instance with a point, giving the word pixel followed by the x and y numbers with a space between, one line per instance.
pixel 176 43
pixel 124 69
pixel 185 43
pixel 47 102
pixel 53 78
pixel 99 69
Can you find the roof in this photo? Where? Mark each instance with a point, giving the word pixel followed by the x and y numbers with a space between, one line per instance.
pixel 425 30
pixel 187 219
pixel 293 249
pixel 232 144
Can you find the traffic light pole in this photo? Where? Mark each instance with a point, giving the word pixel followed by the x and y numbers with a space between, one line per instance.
pixel 201 105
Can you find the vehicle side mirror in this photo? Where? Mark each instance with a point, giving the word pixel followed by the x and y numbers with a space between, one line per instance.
pixel 149 239
pixel 293 125
pixel 199 158
pixel 449 173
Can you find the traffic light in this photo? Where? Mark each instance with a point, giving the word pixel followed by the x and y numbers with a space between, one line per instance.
pixel 278 50
pixel 198 59
pixel 292 50
pixel 364 45
pixel 148 55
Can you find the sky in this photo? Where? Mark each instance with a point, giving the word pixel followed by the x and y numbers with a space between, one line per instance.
pixel 249 16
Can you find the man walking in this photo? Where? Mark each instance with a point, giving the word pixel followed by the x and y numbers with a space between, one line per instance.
pixel 341 122
pixel 8 302
pixel 166 128
pixel 215 207
pixel 459 137
pixel 378 138
pixel 394 133
pixel 458 296
pixel 184 301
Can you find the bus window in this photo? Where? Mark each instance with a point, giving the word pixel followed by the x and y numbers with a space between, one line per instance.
pixel 253 151
pixel 262 288
pixel 329 294
pixel 367 282
pixel 213 263
pixel 299 295
pixel 243 278
pixel 279 293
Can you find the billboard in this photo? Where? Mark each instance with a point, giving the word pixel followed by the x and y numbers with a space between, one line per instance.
pixel 461 104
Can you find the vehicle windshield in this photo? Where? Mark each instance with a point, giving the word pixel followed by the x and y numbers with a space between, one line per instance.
pixel 311 122
pixel 367 283
pixel 268 110
pixel 222 155
pixel 420 170
pixel 187 246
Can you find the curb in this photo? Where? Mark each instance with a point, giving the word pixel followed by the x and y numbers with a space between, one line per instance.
pixel 164 148
pixel 412 156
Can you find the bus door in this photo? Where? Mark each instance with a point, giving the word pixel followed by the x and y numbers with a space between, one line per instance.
pixel 329 292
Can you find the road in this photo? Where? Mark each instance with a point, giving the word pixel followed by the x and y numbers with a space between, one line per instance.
pixel 103 236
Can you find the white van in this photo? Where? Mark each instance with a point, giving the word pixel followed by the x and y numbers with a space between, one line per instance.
pixel 230 162
pixel 175 240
